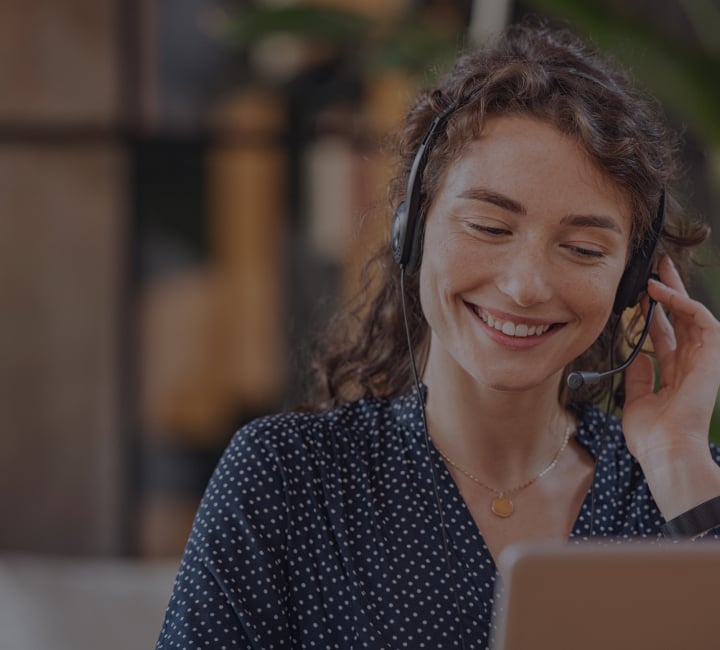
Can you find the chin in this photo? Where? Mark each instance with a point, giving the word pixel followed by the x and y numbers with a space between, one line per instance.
pixel 517 384
pixel 513 387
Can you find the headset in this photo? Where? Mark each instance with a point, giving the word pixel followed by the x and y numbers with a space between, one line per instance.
pixel 407 231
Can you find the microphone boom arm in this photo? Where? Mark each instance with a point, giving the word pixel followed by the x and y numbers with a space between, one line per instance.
pixel 579 378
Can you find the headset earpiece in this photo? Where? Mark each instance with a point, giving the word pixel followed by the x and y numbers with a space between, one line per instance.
pixel 398 235
pixel 407 229
pixel 406 239
pixel 635 278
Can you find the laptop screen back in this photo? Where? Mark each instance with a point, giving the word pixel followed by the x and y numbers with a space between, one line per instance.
pixel 591 597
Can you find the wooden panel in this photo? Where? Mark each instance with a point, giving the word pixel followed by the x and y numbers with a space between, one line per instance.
pixel 61 245
pixel 58 61
pixel 182 351
pixel 246 188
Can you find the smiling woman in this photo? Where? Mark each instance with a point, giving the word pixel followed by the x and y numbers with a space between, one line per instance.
pixel 534 193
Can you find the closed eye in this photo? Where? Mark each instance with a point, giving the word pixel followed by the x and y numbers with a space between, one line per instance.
pixel 490 230
pixel 585 252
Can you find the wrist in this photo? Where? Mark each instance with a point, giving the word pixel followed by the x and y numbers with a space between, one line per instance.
pixel 681 481
pixel 662 450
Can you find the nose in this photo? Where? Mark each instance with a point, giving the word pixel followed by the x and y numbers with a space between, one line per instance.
pixel 526 278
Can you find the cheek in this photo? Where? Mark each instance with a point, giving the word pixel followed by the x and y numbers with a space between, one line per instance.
pixel 593 297
pixel 431 291
pixel 443 279
pixel 439 282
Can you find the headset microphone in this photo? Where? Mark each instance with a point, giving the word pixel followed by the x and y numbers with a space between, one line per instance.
pixel 579 378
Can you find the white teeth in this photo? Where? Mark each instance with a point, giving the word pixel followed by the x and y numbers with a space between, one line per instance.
pixel 521 330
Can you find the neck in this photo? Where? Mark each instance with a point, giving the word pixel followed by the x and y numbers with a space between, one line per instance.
pixel 502 435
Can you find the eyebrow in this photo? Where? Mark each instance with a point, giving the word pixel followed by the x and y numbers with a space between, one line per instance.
pixel 488 196
pixel 511 205
pixel 592 221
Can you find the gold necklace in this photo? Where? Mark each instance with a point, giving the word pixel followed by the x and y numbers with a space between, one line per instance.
pixel 502 505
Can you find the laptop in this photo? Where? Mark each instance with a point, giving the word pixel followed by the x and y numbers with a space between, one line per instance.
pixel 590 596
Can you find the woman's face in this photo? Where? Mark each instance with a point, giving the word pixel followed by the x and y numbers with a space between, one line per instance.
pixel 525 244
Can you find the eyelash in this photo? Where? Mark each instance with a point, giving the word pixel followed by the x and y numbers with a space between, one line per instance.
pixel 579 250
pixel 586 252
pixel 490 231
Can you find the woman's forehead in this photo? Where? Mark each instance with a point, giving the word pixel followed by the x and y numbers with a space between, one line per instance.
pixel 535 164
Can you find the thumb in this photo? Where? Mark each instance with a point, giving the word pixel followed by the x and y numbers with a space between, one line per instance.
pixel 639 378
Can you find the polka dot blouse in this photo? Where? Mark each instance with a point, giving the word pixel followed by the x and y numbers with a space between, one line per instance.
pixel 321 530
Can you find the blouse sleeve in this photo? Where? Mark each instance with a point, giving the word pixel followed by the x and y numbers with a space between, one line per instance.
pixel 693 518
pixel 231 589
pixel 713 533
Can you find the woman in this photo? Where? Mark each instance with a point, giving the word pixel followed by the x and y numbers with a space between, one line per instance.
pixel 531 179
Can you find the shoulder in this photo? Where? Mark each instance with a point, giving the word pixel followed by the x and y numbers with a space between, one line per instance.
pixel 278 461
pixel 299 437
pixel 353 418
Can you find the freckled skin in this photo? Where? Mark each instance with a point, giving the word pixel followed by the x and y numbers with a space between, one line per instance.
pixel 503 237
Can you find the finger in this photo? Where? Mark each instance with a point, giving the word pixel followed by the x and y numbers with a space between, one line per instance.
pixel 697 334
pixel 670 275
pixel 681 306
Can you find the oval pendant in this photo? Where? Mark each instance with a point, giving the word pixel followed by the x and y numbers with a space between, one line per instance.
pixel 502 506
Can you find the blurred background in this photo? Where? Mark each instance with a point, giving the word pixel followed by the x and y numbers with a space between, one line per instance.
pixel 187 190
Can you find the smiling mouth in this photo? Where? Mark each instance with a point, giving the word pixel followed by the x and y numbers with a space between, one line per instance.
pixel 520 330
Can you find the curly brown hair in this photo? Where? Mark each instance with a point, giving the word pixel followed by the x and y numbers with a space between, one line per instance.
pixel 533 70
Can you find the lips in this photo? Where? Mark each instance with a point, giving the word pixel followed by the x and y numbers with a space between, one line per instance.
pixel 512 328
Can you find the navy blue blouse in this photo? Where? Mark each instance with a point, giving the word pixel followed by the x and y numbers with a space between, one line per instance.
pixel 321 530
